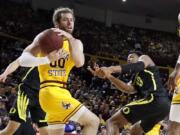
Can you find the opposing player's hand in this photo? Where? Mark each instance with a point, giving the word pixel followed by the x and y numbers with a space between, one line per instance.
pixel 91 70
pixel 55 55
pixel 3 77
pixel 96 71
pixel 107 72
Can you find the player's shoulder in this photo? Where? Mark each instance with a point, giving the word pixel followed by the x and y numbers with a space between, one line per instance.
pixel 146 60
pixel 78 41
pixel 144 57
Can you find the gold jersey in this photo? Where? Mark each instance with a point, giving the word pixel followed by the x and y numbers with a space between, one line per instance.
pixel 56 73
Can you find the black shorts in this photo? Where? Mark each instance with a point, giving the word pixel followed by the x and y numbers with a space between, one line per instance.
pixel 27 102
pixel 149 111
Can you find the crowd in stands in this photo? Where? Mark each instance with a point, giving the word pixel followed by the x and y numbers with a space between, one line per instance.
pixel 22 21
pixel 19 25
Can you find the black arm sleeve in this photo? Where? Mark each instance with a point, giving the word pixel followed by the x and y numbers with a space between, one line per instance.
pixel 133 67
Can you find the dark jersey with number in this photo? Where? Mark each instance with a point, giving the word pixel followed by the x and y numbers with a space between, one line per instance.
pixel 148 81
pixel 153 104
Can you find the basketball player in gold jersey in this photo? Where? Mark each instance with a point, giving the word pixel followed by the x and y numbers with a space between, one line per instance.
pixel 174 84
pixel 54 97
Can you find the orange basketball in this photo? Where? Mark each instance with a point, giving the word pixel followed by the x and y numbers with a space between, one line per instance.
pixel 50 41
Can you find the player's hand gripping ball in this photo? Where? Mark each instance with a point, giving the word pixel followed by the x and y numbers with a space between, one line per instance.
pixel 50 40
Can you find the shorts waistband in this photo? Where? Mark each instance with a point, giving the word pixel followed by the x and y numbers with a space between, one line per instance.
pixel 53 83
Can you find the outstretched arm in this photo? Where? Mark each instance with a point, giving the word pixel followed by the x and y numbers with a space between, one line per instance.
pixel 29 56
pixel 10 69
pixel 105 72
pixel 143 62
pixel 122 86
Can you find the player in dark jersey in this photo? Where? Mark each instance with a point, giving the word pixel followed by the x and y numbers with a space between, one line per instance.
pixel 27 101
pixel 154 104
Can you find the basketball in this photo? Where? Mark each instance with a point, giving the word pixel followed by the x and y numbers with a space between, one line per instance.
pixel 50 41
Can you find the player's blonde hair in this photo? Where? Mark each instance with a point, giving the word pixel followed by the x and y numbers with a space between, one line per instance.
pixel 57 14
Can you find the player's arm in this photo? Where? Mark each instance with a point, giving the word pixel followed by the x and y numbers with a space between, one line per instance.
pixel 143 62
pixel 29 56
pixel 177 67
pixel 76 49
pixel 174 75
pixel 10 69
pixel 122 86
pixel 105 72
pixel 128 68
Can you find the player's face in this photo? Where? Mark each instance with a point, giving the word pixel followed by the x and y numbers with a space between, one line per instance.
pixel 132 58
pixel 67 22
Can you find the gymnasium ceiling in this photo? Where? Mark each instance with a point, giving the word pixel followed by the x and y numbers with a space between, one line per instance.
pixel 164 9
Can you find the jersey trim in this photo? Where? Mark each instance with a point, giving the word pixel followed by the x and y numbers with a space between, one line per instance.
pixel 152 77
pixel 29 71
pixel 53 83
pixel 73 112
pixel 22 103
pixel 53 86
pixel 142 101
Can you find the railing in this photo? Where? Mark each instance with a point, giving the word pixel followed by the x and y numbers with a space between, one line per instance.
pixel 89 55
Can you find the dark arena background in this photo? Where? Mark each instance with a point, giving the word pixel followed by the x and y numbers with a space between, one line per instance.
pixel 109 29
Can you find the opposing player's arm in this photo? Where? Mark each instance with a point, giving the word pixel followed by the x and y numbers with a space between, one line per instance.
pixel 143 62
pixel 76 49
pixel 122 86
pixel 128 68
pixel 10 69
pixel 115 69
